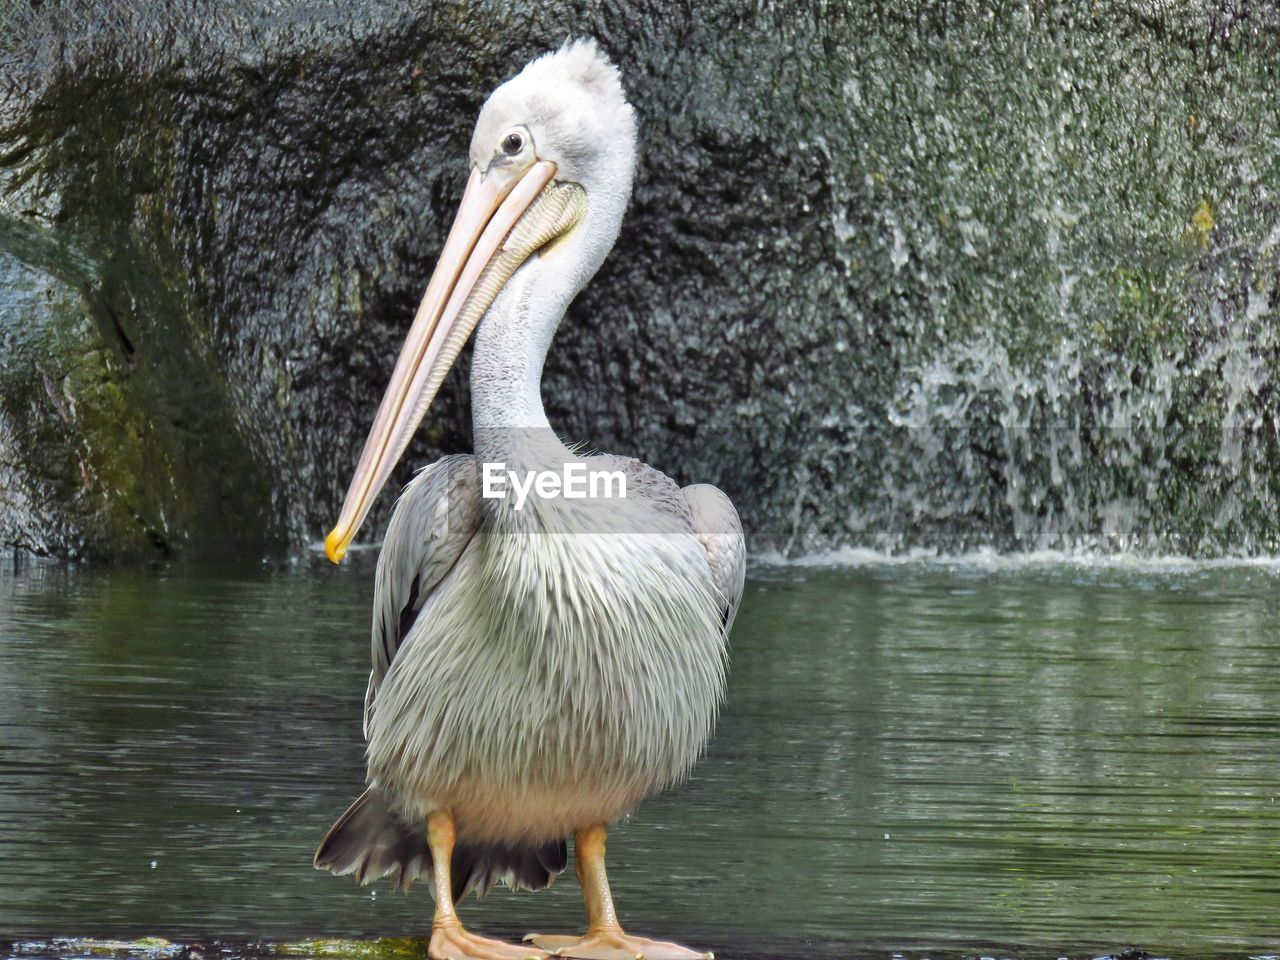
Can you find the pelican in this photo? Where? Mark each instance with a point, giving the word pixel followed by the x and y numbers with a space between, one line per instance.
pixel 539 666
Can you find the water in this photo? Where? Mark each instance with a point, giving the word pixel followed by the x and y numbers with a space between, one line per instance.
pixel 1029 759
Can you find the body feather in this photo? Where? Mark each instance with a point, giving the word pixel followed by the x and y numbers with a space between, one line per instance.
pixel 535 682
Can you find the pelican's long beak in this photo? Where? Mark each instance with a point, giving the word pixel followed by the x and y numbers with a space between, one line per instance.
pixel 503 219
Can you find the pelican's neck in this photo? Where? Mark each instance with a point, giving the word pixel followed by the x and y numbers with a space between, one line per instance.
pixel 512 340
pixel 510 424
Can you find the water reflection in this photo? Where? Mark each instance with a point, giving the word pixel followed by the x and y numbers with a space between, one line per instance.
pixel 1052 760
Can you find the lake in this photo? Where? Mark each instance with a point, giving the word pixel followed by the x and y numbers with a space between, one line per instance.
pixel 1009 757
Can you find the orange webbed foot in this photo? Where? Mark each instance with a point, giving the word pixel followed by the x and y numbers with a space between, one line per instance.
pixel 614 945
pixel 455 943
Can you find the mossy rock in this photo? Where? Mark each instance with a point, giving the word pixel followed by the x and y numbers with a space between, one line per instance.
pixel 948 275
pixel 95 460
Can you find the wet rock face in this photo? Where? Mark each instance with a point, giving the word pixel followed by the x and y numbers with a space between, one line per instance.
pixel 114 439
pixel 897 277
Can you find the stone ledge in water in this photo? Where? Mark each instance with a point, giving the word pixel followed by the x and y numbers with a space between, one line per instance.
pixel 415 948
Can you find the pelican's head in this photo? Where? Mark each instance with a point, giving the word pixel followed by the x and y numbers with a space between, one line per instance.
pixel 551 159
pixel 565 108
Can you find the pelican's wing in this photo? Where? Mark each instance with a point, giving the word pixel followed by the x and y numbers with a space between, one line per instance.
pixel 435 518
pixel 716 524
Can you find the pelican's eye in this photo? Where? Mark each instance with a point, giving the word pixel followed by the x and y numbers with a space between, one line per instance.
pixel 512 144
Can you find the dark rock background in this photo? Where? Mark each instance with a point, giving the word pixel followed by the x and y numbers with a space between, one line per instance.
pixel 899 275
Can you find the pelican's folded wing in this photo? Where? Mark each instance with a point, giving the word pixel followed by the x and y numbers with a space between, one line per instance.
pixel 435 518
pixel 718 529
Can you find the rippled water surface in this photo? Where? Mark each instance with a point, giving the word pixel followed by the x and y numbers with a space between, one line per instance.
pixel 1039 760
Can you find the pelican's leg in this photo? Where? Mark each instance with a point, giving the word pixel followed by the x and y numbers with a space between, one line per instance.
pixel 449 941
pixel 604 939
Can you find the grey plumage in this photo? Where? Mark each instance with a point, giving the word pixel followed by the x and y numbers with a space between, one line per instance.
pixel 569 657
pixel 434 520
pixel 716 525
pixel 595 656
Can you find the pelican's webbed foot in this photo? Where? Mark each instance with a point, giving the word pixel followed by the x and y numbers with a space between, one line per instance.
pixel 453 942
pixel 614 945
pixel 449 939
pixel 604 939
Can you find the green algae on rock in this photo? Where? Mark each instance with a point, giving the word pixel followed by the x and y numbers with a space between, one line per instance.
pixel 106 450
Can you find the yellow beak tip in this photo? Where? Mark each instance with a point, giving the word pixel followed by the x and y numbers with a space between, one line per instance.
pixel 335 547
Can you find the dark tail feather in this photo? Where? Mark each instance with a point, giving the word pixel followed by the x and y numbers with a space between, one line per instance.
pixel 370 842
pixel 479 866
